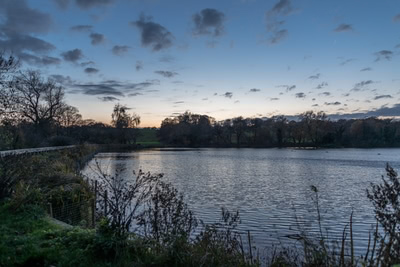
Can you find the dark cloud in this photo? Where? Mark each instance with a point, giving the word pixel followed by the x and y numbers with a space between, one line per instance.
pixel 360 86
pixel 343 28
pixel 167 74
pixel 254 90
pixel 396 18
pixel 39 60
pixel 332 103
pixel 108 98
pixel 275 22
pixel 315 105
pixel 82 28
pixel 321 85
pixel 86 4
pixel 383 54
pixel 178 102
pixel 72 55
pixel 153 34
pixel 19 26
pixel 382 97
pixel 366 69
pixel 209 22
pixel 382 111
pixel 91 70
pixel 134 94
pixel 139 65
pixel 62 3
pixel 112 87
pixel 97 38
pixel 228 94
pixel 300 95
pixel 315 77
pixel 119 50
pixel 274 98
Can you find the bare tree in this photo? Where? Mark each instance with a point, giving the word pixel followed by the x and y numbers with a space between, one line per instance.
pixel 35 99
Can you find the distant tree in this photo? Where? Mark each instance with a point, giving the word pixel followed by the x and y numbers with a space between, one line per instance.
pixel 69 116
pixel 121 118
pixel 124 123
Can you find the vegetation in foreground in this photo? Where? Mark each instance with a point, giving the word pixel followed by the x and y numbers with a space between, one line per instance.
pixel 165 231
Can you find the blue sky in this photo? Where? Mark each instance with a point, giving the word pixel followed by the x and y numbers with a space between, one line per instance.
pixel 220 58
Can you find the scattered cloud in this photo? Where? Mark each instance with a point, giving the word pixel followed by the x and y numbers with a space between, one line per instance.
pixel 274 98
pixel 208 21
pixel 87 63
pixel 81 28
pixel 139 65
pixel 325 93
pixel 108 98
pixel 166 74
pixel 91 70
pixel 347 61
pixel 119 50
pixel 300 95
pixel 153 34
pixel 228 94
pixel 315 77
pixel 366 69
pixel 254 90
pixel 383 54
pixel 72 55
pixel 97 38
pixel 336 103
pixel 382 97
pixel 396 18
pixel 344 28
pixel 321 85
pixel 274 20
pixel 288 87
pixel 360 86
pixel 135 94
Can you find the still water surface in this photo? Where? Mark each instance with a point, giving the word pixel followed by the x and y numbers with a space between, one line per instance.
pixel 270 187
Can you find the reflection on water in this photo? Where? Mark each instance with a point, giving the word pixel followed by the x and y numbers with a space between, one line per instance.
pixel 270 187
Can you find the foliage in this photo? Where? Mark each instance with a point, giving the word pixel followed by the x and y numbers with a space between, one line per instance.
pixel 385 198
pixel 165 217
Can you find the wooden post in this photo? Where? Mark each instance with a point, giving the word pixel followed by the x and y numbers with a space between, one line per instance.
pixel 51 209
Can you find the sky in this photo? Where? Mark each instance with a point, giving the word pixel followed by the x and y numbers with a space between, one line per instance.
pixel 251 58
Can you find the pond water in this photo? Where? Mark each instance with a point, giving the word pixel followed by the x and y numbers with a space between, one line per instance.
pixel 270 187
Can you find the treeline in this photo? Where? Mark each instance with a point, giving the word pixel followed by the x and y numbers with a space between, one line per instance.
pixel 33 113
pixel 311 129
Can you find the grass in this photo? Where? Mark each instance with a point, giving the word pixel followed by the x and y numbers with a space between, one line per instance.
pixel 30 238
